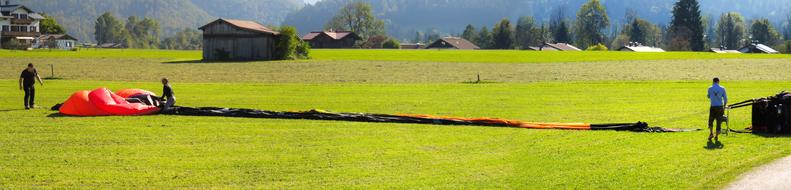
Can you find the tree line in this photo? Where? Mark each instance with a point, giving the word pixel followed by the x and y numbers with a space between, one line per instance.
pixel 142 33
pixel 687 31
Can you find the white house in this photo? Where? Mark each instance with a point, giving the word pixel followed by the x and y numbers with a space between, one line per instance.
pixel 19 24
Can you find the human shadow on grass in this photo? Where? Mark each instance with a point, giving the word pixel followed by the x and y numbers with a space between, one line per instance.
pixel 714 145
pixel 57 115
pixel 184 61
pixel 771 135
pixel 9 110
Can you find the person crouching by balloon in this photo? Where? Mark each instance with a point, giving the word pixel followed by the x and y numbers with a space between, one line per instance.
pixel 167 96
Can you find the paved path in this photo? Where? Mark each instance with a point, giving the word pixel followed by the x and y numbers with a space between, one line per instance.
pixel 776 175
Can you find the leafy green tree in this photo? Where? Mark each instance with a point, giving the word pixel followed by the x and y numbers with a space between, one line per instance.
pixel 142 33
pixel 358 18
pixel 562 33
pixel 762 31
pixel 524 36
pixel 50 26
pixel 470 33
pixel 636 34
pixel 287 42
pixel 559 27
pixel 303 50
pixel 597 47
pixel 503 36
pixel 186 39
pixel 108 29
pixel 592 20
pixel 484 39
pixel 391 44
pixel 374 42
pixel 686 28
pixel 731 30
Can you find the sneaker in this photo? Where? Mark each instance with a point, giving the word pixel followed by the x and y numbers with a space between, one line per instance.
pixel 27 108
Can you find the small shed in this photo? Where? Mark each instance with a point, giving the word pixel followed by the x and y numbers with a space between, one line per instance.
pixel 331 39
pixel 453 43
pixel 227 39
pixel 641 48
pixel 554 47
pixel 56 41
pixel 758 48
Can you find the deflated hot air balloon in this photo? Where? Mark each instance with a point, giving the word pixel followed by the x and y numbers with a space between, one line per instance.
pixel 127 102
pixel 103 102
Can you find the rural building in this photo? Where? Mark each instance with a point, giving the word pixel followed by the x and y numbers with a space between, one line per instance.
pixel 226 39
pixel 758 48
pixel 721 50
pixel 453 43
pixel 554 47
pixel 19 24
pixel 56 41
pixel 637 47
pixel 112 46
pixel 413 46
pixel 331 39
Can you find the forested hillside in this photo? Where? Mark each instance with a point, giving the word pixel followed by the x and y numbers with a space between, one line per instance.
pixel 403 18
pixel 406 17
pixel 79 16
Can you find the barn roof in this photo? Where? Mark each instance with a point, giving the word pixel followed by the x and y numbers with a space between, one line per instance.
pixel 562 46
pixel 758 48
pixel 456 42
pixel 641 49
pixel 245 25
pixel 720 50
pixel 335 35
pixel 57 37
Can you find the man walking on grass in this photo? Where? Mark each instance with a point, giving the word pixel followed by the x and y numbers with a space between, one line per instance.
pixel 27 82
pixel 718 100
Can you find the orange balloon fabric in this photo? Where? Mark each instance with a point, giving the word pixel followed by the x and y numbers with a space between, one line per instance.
pixel 78 105
pixel 102 102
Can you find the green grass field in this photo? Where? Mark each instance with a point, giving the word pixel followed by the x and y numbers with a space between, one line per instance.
pixel 43 150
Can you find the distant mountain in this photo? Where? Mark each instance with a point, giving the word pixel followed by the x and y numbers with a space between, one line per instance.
pixel 406 17
pixel 78 16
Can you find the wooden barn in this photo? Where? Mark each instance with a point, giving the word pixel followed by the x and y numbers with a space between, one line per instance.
pixel 453 43
pixel 226 39
pixel 332 39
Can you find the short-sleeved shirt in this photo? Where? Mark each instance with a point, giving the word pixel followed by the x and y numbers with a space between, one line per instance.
pixel 28 78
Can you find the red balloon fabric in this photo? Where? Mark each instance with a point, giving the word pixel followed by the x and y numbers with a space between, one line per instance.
pixel 126 93
pixel 78 105
pixel 103 102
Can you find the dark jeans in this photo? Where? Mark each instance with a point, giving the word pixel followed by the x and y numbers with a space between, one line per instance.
pixel 716 113
pixel 30 96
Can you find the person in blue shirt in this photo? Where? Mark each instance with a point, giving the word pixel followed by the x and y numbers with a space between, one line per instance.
pixel 719 99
